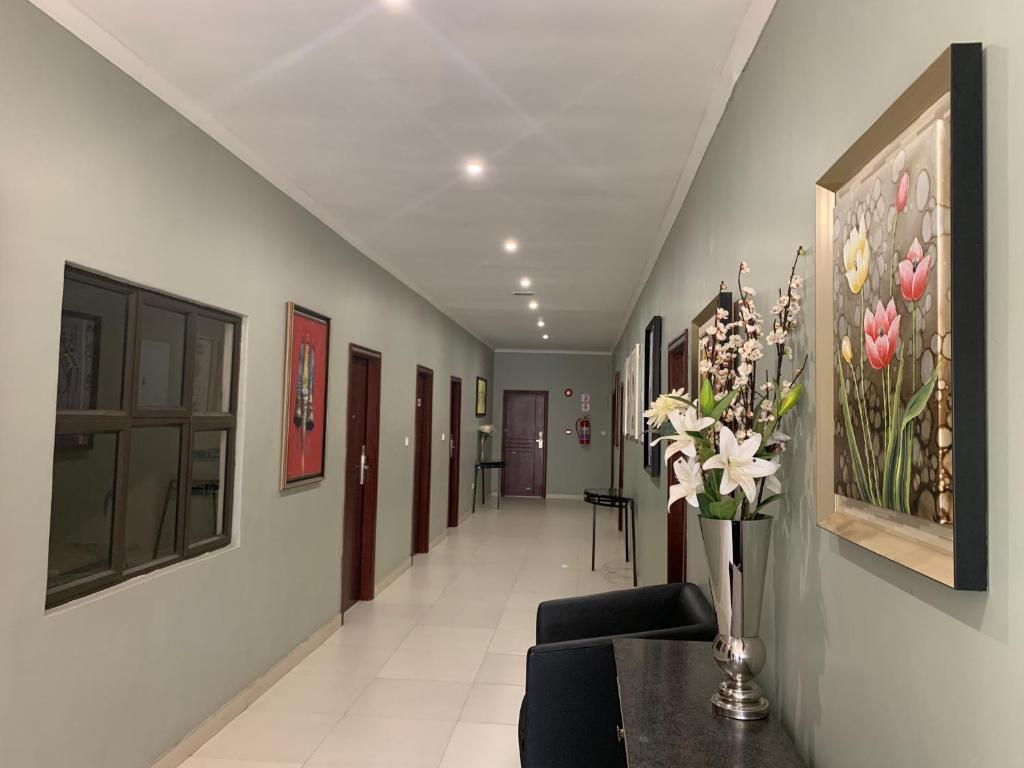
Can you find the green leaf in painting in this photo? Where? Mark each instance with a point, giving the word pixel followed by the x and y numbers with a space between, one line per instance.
pixel 919 401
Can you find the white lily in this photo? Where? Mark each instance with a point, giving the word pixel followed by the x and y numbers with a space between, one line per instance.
pixel 663 406
pixel 683 421
pixel 739 467
pixel 772 485
pixel 690 482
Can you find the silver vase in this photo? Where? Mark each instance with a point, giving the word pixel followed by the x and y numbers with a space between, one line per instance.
pixel 737 552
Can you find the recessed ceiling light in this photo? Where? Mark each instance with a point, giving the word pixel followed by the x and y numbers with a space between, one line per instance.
pixel 474 168
pixel 395 5
pixel 540 323
pixel 534 305
pixel 524 282
pixel 545 336
pixel 511 245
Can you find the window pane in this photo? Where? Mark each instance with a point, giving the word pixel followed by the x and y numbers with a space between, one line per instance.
pixel 82 508
pixel 161 358
pixel 206 503
pixel 152 494
pixel 211 386
pixel 91 362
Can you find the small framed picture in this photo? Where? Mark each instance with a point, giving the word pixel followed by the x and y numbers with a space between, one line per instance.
pixel 481 396
pixel 304 429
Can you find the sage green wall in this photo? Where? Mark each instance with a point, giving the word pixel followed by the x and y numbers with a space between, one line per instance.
pixel 870 664
pixel 571 466
pixel 98 171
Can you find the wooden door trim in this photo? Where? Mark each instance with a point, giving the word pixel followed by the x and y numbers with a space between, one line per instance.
pixel 547 436
pixel 368 545
pixel 680 341
pixel 454 461
pixel 421 531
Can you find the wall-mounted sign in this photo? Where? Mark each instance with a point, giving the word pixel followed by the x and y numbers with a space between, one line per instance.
pixel 585 402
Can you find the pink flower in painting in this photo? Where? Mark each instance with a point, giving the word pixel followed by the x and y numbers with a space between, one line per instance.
pixel 881 334
pixel 914 271
pixel 902 190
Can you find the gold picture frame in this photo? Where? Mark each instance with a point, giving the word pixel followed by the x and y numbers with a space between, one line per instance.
pixel 935 521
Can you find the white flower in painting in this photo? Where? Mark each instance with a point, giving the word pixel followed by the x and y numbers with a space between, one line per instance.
pixel 663 406
pixel 739 467
pixel 689 482
pixel 684 421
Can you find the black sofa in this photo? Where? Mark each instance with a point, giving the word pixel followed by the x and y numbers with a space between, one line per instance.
pixel 570 714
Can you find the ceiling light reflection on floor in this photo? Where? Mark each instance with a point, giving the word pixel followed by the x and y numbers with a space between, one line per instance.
pixel 511 245
pixel 474 169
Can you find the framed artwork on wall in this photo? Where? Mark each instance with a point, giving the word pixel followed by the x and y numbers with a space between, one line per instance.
pixel 631 408
pixel 481 396
pixel 702 322
pixel 900 331
pixel 304 430
pixel 652 389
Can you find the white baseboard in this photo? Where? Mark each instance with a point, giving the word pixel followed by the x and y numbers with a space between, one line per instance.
pixel 385 581
pixel 437 539
pixel 209 728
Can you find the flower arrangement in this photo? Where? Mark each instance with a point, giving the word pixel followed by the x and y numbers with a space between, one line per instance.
pixel 882 454
pixel 484 431
pixel 725 445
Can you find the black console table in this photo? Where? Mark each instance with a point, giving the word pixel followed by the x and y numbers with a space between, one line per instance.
pixel 480 475
pixel 616 499
pixel 665 688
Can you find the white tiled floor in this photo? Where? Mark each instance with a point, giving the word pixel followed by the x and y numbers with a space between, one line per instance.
pixel 430 674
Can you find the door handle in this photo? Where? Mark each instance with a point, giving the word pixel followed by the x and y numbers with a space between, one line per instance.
pixel 364 468
pixel 540 440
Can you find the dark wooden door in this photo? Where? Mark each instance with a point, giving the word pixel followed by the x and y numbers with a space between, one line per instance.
pixel 454 449
pixel 524 445
pixel 421 460
pixel 678 370
pixel 359 526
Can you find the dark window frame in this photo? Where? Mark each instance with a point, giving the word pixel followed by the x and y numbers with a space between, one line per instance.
pixel 123 421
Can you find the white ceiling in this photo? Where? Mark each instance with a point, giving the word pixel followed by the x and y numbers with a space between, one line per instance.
pixel 591 117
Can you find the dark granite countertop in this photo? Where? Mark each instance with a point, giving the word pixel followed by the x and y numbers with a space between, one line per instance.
pixel 665 688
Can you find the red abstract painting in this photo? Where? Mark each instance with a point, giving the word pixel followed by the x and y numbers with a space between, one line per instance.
pixel 305 406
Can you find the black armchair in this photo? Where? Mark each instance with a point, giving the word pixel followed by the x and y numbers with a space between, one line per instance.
pixel 570 713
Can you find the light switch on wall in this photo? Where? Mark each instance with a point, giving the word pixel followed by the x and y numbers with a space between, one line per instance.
pixel 406 441
pixel 442 437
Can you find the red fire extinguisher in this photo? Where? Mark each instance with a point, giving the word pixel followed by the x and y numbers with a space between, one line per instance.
pixel 583 430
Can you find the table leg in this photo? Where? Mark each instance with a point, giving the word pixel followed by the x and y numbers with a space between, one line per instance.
pixel 621 510
pixel 476 479
pixel 593 538
pixel 632 512
pixel 501 478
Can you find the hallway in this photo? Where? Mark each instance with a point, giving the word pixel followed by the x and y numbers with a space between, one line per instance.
pixel 431 672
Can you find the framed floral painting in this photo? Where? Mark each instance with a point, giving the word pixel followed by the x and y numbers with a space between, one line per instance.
pixel 900 331
pixel 304 431
pixel 652 389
